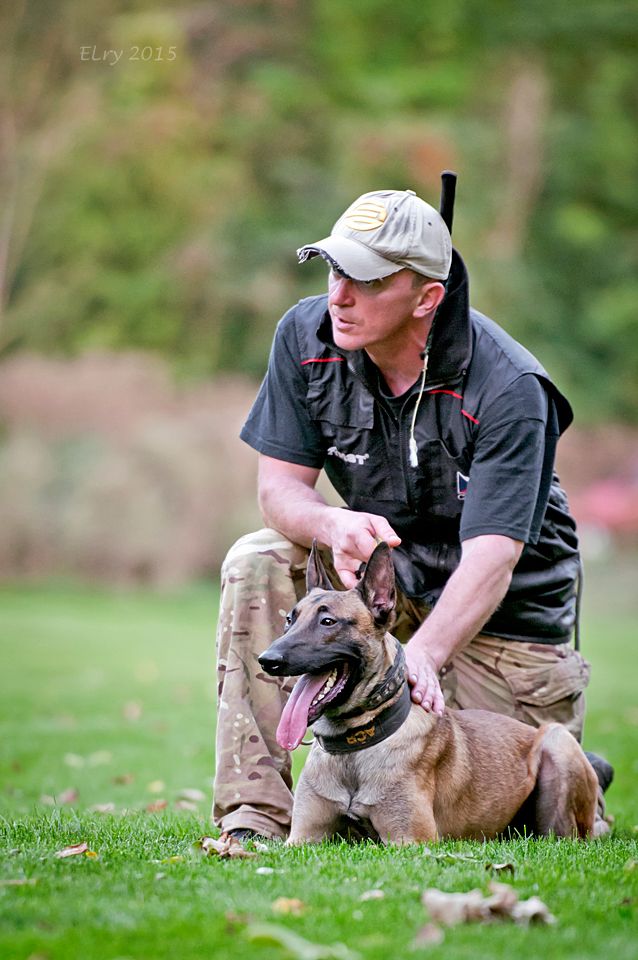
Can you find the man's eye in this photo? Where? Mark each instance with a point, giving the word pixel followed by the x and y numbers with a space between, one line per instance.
pixel 327 622
pixel 370 286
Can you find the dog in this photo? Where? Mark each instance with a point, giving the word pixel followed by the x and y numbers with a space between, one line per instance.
pixel 384 768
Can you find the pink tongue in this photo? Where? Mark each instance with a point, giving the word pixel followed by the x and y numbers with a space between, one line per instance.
pixel 294 719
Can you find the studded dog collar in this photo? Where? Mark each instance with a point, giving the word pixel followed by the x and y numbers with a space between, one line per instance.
pixel 385 723
pixel 380 728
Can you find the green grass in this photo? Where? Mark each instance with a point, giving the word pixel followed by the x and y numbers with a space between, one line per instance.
pixel 97 687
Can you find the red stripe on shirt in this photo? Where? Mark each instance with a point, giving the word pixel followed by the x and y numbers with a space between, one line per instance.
pixel 322 360
pixel 452 393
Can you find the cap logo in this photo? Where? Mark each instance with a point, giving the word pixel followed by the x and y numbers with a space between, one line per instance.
pixel 369 215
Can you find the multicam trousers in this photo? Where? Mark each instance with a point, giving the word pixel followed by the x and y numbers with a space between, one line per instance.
pixel 263 576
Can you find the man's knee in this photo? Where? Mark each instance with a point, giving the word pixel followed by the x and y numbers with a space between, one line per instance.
pixel 263 548
pixel 534 683
pixel 262 576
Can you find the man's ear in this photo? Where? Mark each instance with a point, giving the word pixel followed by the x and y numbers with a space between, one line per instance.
pixel 316 575
pixel 377 586
pixel 432 295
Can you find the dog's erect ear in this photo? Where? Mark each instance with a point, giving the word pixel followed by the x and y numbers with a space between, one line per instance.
pixel 377 586
pixel 316 575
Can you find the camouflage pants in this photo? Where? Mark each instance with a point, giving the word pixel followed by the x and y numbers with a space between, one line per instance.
pixel 263 576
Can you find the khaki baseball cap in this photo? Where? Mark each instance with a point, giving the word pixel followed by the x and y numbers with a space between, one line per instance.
pixel 383 232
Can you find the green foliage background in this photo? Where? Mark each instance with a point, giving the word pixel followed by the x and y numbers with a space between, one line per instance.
pixel 158 204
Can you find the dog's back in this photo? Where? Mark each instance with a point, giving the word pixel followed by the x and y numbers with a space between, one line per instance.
pixel 411 775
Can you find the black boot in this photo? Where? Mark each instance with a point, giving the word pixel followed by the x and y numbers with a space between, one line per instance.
pixel 603 770
pixel 245 833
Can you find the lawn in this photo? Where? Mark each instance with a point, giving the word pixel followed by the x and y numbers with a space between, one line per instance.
pixel 108 699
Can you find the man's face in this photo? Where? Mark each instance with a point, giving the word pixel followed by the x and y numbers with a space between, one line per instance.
pixel 376 313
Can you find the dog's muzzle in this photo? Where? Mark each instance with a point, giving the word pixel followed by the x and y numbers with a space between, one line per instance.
pixel 273 663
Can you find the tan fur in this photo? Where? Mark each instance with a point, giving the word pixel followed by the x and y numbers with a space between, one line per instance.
pixel 467 774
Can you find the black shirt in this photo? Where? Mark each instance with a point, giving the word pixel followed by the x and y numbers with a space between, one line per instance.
pixel 486 432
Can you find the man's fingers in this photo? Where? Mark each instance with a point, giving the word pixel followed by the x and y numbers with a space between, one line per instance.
pixel 348 578
pixel 383 531
pixel 364 543
pixel 438 704
pixel 425 691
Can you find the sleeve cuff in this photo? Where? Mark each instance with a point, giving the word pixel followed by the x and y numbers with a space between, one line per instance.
pixel 278 452
pixel 523 534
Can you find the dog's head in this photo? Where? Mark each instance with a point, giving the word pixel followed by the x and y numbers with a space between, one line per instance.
pixel 332 638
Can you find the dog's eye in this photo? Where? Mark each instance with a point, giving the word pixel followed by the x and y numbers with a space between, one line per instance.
pixel 327 622
pixel 288 621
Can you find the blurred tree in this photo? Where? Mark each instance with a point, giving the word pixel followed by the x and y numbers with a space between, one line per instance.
pixel 158 203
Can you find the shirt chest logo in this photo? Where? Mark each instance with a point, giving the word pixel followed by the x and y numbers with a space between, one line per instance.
pixel 358 458
pixel 462 483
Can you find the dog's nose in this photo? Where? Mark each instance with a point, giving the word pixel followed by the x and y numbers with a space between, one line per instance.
pixel 272 663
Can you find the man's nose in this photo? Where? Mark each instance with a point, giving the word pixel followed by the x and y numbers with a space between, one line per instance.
pixel 342 291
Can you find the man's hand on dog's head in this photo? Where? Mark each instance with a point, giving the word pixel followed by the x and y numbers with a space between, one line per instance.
pixel 423 678
pixel 353 537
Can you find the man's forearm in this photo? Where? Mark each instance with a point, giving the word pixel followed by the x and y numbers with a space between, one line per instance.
pixel 297 510
pixel 290 503
pixel 470 597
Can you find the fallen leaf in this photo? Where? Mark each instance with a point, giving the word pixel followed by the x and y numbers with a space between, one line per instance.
pixel 100 758
pixel 452 908
pixel 132 711
pixel 123 778
pixel 74 760
pixel 73 850
pixel 68 796
pixel 156 806
pixel 428 936
pixel 372 895
pixel 631 715
pixel 226 847
pixel 18 882
pixel 66 721
pixel 156 786
pixel 147 671
pixel 91 854
pixel 501 867
pixel 532 911
pixel 287 905
pixel 446 856
pixel 192 794
pixel 503 900
pixel 102 808
pixel 186 805
pixel 297 946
